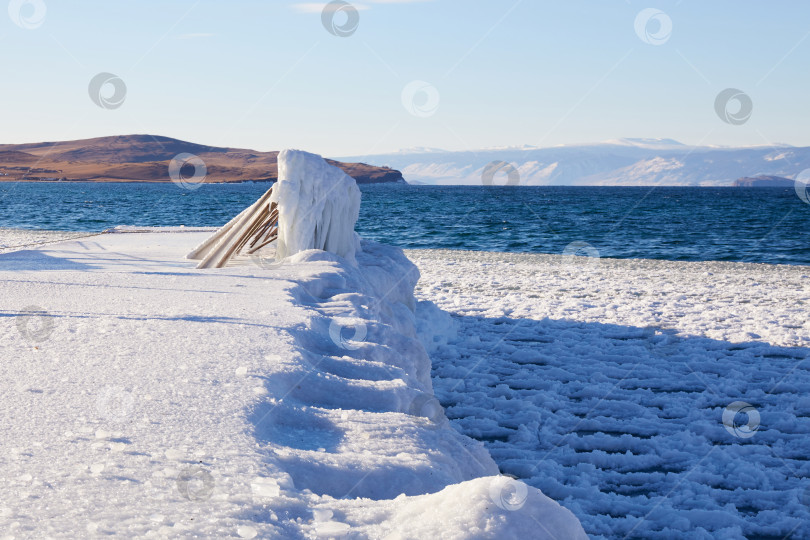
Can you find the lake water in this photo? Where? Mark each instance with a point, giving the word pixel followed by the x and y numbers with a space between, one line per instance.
pixel 769 225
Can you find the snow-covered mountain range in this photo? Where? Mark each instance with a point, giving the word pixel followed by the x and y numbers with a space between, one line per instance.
pixel 628 162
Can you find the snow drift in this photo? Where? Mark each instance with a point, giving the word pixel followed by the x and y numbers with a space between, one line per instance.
pixel 369 435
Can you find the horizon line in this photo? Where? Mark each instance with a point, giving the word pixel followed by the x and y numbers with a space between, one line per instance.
pixel 637 142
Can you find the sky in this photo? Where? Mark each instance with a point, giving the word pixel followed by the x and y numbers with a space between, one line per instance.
pixel 379 76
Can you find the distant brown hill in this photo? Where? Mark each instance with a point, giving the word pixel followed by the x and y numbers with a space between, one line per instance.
pixel 146 158
pixel 763 180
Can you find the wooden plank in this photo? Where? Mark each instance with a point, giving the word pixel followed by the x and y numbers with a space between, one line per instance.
pixel 234 238
pixel 203 249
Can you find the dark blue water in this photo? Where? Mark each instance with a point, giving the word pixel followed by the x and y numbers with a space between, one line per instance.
pixel 770 225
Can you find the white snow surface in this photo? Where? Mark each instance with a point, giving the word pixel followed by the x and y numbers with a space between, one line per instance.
pixel 144 398
pixel 318 206
pixel 604 383
pixel 18 239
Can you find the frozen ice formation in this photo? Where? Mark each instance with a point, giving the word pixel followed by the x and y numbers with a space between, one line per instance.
pixel 313 205
pixel 318 206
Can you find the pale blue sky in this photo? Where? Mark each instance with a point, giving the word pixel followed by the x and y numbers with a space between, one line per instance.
pixel 268 75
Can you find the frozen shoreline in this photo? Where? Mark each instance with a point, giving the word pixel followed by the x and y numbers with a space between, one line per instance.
pixel 144 397
pixel 604 383
pixel 601 382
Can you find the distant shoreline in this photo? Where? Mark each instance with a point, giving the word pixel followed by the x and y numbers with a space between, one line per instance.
pixel 154 159
pixel 117 181
pixel 270 182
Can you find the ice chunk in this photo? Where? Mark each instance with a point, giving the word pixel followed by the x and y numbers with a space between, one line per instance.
pixel 318 206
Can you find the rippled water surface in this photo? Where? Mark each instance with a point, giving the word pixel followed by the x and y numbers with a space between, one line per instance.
pixel 753 225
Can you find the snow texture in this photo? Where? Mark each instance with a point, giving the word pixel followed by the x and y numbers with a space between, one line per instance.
pixel 144 398
pixel 612 385
pixel 318 206
pixel 18 239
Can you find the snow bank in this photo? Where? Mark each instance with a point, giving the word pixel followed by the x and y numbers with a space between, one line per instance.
pixel 371 377
pixel 491 508
pixel 318 206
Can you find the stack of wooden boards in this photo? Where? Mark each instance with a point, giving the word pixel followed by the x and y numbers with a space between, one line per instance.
pixel 254 228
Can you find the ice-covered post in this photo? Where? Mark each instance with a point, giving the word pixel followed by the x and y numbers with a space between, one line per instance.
pixel 318 206
pixel 313 205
